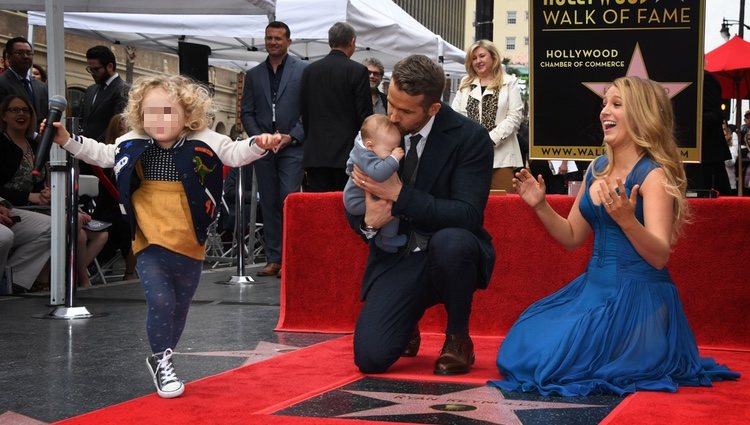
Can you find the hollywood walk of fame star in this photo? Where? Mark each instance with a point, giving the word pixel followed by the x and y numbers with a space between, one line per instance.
pixel 637 68
pixel 263 350
pixel 482 403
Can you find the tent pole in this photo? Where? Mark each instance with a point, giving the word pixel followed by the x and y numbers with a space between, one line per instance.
pixel 56 83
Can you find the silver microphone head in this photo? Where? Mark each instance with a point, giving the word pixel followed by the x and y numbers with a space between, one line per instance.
pixel 58 102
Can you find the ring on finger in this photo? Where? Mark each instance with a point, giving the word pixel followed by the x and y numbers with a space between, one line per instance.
pixel 611 201
pixel 363 182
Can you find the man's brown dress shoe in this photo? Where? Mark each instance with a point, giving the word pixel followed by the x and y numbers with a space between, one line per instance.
pixel 271 269
pixel 456 357
pixel 412 348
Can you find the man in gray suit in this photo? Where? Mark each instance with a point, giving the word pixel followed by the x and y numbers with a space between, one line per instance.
pixel 17 80
pixel 270 104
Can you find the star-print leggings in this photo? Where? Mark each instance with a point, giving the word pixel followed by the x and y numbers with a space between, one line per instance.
pixel 169 282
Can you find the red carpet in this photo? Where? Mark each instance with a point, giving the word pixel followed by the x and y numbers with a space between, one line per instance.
pixel 324 261
pixel 248 395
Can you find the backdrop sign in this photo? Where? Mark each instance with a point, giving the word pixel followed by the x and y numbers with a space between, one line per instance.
pixel 578 47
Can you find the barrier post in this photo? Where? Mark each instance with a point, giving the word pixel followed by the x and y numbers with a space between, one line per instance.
pixel 69 311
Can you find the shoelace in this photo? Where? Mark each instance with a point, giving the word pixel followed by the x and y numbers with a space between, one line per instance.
pixel 166 368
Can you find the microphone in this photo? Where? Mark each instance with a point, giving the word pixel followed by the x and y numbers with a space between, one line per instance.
pixel 57 105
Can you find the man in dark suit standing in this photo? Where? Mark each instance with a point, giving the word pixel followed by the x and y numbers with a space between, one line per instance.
pixel 335 100
pixel 271 104
pixel 711 173
pixel 440 199
pixel 16 79
pixel 106 97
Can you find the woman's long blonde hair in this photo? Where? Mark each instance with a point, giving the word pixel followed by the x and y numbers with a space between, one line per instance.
pixel 192 96
pixel 650 121
pixel 497 69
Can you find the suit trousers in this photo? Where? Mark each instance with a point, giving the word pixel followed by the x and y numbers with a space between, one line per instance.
pixel 446 273
pixel 325 179
pixel 279 174
pixel 25 247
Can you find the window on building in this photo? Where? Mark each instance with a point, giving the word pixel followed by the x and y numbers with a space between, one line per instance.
pixel 510 43
pixel 527 15
pixel 526 41
pixel 511 17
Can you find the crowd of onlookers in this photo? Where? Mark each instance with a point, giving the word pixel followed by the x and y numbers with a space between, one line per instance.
pixel 25 194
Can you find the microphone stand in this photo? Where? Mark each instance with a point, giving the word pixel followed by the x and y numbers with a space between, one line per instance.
pixel 69 311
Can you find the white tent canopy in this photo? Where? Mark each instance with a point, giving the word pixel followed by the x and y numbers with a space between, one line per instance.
pixel 383 30
pixel 224 7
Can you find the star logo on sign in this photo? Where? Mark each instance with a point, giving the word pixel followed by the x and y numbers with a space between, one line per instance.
pixel 637 68
pixel 263 350
pixel 482 403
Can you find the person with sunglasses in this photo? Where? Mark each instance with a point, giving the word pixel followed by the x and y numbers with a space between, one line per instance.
pixel 375 71
pixel 17 80
pixel 105 98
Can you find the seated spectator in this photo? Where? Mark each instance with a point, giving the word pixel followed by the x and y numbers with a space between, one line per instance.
pixel 22 188
pixel 90 243
pixel 17 147
pixel 24 247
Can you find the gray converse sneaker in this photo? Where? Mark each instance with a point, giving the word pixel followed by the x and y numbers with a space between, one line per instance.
pixel 162 370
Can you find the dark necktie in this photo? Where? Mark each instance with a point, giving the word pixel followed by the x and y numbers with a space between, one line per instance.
pixel 29 91
pixel 410 160
pixel 99 90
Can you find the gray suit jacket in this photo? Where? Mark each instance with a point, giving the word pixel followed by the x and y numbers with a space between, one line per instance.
pixel 10 84
pixel 257 101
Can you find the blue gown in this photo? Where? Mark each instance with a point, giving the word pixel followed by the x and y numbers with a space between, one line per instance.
pixel 617 328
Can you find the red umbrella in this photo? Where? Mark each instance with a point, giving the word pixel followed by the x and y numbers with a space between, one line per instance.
pixel 730 63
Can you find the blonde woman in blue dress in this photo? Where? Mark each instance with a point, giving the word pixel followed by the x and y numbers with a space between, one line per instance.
pixel 620 326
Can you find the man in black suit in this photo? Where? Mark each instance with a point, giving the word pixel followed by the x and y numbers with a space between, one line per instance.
pixel 16 80
pixel 335 100
pixel 711 173
pixel 441 209
pixel 106 97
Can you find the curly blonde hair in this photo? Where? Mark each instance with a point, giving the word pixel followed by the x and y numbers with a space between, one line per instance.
pixel 497 70
pixel 650 120
pixel 191 95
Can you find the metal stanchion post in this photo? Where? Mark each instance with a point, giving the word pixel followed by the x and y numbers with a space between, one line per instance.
pixel 69 311
pixel 239 229
pixel 253 218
